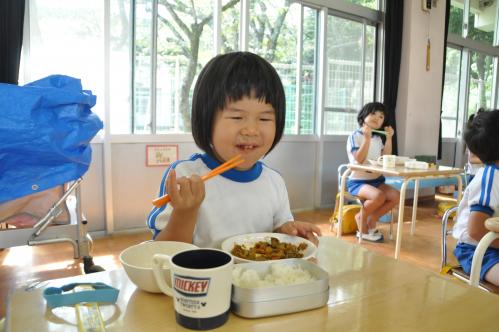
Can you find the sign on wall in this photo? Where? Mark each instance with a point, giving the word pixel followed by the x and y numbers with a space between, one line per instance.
pixel 161 155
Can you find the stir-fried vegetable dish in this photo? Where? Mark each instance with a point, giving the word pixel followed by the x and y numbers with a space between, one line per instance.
pixel 263 250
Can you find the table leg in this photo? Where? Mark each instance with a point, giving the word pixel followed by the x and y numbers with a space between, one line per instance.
pixel 400 218
pixel 415 205
pixel 342 201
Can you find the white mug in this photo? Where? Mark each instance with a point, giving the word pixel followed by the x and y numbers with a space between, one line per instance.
pixel 388 160
pixel 201 284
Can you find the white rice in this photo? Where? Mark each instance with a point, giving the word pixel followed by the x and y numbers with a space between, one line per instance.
pixel 276 275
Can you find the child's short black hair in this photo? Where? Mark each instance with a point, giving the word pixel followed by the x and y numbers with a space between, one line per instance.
pixel 230 77
pixel 482 136
pixel 371 108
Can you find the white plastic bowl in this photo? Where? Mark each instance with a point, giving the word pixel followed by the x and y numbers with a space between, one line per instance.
pixel 137 262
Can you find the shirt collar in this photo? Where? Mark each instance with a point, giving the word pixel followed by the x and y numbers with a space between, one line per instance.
pixel 233 174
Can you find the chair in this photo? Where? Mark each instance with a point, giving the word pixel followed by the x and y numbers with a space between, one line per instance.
pixel 22 227
pixel 349 199
pixel 454 269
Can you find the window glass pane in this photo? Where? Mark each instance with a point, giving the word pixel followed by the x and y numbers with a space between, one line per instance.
pixel 449 127
pixel 184 46
pixel 370 64
pixel 230 25
pixel 273 35
pixel 481 75
pixel 308 73
pixel 373 4
pixel 456 17
pixel 482 21
pixel 451 92
pixel 120 67
pixel 343 75
pixel 77 51
pixel 142 68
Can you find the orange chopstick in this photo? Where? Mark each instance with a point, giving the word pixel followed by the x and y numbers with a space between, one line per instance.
pixel 229 164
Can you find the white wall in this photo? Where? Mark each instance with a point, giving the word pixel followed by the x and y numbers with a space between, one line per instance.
pixel 418 116
pixel 419 94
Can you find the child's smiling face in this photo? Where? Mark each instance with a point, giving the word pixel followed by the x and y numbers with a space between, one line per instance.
pixel 246 127
pixel 375 120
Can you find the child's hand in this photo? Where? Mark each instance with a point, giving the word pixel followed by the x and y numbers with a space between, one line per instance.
pixel 367 131
pixel 302 229
pixel 389 131
pixel 187 193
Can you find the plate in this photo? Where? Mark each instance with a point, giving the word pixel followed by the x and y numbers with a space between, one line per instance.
pixel 250 240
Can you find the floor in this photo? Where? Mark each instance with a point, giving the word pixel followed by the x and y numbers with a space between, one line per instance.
pixel 22 266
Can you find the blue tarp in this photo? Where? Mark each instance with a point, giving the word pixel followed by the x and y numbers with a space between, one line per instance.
pixel 45 130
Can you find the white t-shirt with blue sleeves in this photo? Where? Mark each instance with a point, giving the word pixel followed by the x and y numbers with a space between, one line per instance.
pixel 376 146
pixel 236 202
pixel 482 194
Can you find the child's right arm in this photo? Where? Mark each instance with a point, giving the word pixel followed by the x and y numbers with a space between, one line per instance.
pixel 483 201
pixel 186 194
pixel 361 154
pixel 476 227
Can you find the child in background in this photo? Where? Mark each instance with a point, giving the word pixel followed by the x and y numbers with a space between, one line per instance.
pixel 481 197
pixel 362 145
pixel 238 107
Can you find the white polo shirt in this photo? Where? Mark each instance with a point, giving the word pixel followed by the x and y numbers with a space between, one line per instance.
pixel 376 146
pixel 236 202
pixel 482 194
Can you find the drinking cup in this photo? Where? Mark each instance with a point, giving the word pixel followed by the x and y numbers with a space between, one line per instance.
pixel 201 283
pixel 388 160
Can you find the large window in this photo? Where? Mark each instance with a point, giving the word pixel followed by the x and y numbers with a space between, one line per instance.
pixel 350 72
pixel 142 57
pixel 470 63
pixel 166 66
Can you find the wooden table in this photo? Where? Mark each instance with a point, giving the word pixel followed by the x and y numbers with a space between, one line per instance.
pixel 368 292
pixel 408 175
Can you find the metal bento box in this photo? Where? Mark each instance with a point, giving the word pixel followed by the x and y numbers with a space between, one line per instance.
pixel 277 300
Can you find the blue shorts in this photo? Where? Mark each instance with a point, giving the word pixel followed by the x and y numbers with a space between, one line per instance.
pixel 464 254
pixel 353 186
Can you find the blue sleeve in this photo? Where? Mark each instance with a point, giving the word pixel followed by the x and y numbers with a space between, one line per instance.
pixel 354 142
pixel 481 208
pixel 483 198
pixel 151 219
